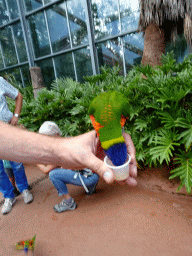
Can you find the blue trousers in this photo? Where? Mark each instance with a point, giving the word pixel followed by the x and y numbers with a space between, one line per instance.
pixel 6 187
pixel 60 177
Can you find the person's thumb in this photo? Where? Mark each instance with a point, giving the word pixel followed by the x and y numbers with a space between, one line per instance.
pixel 100 168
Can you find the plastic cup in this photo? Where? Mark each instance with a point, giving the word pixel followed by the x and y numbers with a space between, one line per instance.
pixel 120 172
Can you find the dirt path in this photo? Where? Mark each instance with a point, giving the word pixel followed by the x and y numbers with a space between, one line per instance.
pixel 150 219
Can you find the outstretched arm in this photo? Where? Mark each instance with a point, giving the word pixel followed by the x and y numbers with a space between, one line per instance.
pixel 70 153
pixel 74 153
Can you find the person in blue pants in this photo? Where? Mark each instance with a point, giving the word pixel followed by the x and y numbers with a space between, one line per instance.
pixel 7 90
pixel 7 188
pixel 9 171
pixel 60 177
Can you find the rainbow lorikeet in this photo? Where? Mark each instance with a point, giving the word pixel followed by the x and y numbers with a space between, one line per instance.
pixel 108 113
pixel 26 245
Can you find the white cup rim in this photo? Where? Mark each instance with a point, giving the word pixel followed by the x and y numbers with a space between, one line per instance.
pixel 117 167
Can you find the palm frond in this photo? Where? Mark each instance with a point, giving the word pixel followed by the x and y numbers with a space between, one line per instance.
pixel 166 12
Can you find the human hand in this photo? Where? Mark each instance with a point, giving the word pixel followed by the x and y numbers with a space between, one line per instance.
pixel 85 151
pixel 80 152
pixel 131 180
pixel 46 168
pixel 14 120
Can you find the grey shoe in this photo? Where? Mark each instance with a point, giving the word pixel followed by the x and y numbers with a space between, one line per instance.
pixel 7 206
pixel 27 196
pixel 63 206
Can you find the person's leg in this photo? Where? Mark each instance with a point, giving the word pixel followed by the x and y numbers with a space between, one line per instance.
pixel 92 188
pixel 20 176
pixel 9 171
pixel 6 189
pixel 61 177
pixel 89 183
pixel 21 181
pixel 56 177
pixel 10 174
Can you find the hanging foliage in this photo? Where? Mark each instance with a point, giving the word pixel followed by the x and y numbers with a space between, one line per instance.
pixel 173 14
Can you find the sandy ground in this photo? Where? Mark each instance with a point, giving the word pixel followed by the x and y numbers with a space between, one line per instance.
pixel 150 219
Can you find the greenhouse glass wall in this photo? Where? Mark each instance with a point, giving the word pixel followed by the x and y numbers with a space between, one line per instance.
pixel 69 38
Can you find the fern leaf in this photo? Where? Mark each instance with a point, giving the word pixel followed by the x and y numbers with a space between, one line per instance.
pixel 140 156
pixel 184 171
pixel 76 110
pixel 165 146
pixel 167 120
pixel 183 123
pixel 140 124
pixel 187 137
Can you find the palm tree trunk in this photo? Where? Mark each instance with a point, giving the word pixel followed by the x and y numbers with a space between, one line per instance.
pixel 154 45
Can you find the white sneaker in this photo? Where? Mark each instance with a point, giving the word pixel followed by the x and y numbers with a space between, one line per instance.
pixel 27 196
pixel 7 206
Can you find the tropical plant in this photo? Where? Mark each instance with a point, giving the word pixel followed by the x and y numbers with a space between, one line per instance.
pixel 162 123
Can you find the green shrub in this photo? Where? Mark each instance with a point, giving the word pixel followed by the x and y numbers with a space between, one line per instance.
pixel 160 121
